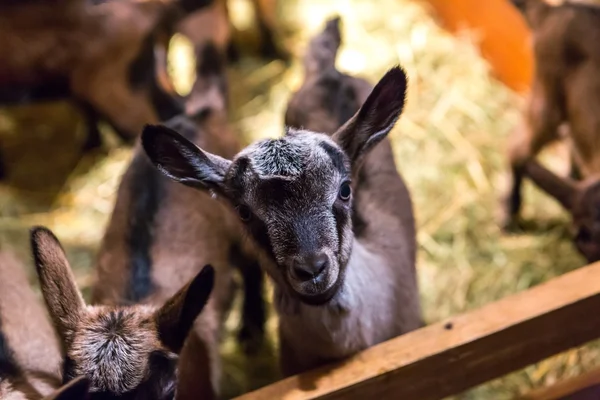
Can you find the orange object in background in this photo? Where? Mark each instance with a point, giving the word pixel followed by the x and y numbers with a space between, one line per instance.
pixel 503 32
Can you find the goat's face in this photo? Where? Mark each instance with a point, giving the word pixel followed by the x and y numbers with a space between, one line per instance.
pixel 586 220
pixel 125 352
pixel 294 194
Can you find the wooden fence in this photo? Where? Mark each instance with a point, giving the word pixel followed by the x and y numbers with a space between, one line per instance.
pixel 463 351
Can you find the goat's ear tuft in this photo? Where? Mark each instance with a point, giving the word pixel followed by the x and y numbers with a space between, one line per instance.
pixel 181 160
pixel 63 299
pixel 376 117
pixel 176 317
pixel 77 389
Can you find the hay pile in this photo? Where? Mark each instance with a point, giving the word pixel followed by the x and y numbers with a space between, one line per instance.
pixel 449 147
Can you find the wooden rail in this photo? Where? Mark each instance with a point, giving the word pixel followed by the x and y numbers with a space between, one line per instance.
pixel 461 352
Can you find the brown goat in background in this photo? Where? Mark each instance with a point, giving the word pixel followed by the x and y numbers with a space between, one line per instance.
pixel 160 232
pixel 565 91
pixel 86 50
pixel 129 351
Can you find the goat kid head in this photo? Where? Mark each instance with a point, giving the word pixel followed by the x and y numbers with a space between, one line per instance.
pixel 580 199
pixel 127 352
pixel 294 194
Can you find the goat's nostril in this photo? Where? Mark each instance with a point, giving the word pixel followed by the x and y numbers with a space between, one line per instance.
pixel 310 267
pixel 320 264
pixel 302 274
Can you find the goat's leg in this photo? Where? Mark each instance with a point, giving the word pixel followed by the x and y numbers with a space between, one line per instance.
pixel 253 311
pixel 252 330
pixel 91 119
pixel 574 170
pixel 543 117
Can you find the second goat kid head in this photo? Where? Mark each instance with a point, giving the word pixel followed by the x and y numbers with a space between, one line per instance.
pixel 294 194
pixel 125 352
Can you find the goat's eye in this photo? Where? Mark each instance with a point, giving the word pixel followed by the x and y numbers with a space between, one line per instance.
pixel 244 212
pixel 345 191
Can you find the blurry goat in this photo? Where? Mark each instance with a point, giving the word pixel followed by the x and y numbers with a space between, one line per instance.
pixel 564 91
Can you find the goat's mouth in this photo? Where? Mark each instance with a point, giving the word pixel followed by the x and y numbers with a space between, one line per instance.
pixel 317 291
pixel 321 298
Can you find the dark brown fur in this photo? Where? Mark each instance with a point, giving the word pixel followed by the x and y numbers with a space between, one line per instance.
pixel 564 90
pixel 128 351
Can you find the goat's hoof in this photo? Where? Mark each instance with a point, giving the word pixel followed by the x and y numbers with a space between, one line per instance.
pixel 251 339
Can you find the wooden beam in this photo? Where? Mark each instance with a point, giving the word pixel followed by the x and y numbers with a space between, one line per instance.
pixel 584 386
pixel 461 352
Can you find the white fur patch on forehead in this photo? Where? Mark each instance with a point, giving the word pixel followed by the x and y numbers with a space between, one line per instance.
pixel 288 156
pixel 112 347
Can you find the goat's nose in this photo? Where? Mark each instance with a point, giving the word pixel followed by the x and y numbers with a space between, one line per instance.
pixel 310 267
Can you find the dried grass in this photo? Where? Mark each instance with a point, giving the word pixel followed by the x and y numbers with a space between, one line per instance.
pixel 448 145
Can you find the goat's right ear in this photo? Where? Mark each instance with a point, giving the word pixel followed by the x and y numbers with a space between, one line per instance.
pixel 60 292
pixel 183 161
pixel 77 389
pixel 562 189
pixel 176 317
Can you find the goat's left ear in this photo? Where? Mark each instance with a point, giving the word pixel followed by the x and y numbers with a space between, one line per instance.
pixel 176 317
pixel 376 117
pixel 183 161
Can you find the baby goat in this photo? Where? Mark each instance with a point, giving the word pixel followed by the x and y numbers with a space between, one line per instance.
pixel 338 290
pixel 125 351
pixel 564 90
